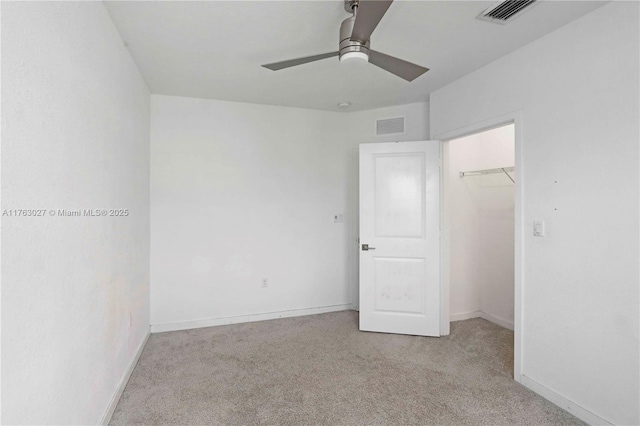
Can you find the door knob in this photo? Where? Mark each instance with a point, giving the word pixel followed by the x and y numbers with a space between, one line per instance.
pixel 365 247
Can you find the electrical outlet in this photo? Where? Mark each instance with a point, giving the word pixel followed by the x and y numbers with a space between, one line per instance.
pixel 265 283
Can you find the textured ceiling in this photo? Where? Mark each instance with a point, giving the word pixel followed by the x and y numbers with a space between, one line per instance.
pixel 214 49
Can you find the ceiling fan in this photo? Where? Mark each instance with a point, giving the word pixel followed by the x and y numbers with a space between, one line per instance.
pixel 355 35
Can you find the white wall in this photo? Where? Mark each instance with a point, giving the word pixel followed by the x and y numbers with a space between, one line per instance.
pixel 75 135
pixel 481 227
pixel 240 192
pixel 578 90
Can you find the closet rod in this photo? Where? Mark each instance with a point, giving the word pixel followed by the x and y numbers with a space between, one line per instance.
pixel 504 170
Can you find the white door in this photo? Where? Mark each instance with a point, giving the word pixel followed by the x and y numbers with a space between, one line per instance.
pixel 400 237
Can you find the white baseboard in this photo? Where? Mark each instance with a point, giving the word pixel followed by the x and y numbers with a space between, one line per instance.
pixel 497 320
pixel 564 403
pixel 479 314
pixel 212 322
pixel 106 417
pixel 465 316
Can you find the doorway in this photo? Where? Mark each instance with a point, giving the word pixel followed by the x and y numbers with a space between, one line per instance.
pixel 482 226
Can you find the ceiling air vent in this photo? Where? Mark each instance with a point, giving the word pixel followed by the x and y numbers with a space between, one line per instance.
pixel 503 11
pixel 389 126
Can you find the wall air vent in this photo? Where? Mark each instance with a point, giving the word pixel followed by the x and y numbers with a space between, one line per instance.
pixel 389 126
pixel 504 11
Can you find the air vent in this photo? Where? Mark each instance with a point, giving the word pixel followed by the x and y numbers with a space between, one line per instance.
pixel 390 126
pixel 504 11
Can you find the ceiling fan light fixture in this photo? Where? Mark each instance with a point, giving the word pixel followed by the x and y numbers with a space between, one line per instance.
pixel 354 55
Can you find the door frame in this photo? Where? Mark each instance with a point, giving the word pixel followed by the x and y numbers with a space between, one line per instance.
pixel 514 118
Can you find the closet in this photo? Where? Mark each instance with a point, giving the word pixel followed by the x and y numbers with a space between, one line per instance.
pixel 481 226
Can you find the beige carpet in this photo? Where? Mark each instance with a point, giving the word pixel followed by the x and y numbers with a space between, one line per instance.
pixel 321 370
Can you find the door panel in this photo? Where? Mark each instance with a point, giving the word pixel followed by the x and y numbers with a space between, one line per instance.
pixel 398 284
pixel 399 221
pixel 399 208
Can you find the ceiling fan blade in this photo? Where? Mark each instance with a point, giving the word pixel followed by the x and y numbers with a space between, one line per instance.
pixel 368 14
pixel 298 61
pixel 396 66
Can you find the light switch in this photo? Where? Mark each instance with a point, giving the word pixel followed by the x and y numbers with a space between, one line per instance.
pixel 338 218
pixel 538 228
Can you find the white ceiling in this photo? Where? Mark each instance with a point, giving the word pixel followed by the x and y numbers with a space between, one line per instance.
pixel 214 49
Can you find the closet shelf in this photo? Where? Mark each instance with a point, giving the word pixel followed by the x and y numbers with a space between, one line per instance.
pixel 505 170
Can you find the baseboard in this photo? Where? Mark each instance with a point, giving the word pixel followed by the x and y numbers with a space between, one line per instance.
pixel 479 314
pixel 564 403
pixel 106 418
pixel 212 322
pixel 497 320
pixel 464 316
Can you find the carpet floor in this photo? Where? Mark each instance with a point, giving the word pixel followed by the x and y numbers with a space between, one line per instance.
pixel 320 369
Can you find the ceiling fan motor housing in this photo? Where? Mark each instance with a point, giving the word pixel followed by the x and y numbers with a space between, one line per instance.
pixel 346 44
